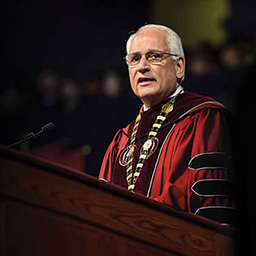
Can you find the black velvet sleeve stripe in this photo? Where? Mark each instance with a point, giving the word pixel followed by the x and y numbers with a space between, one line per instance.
pixel 211 160
pixel 213 187
pixel 224 215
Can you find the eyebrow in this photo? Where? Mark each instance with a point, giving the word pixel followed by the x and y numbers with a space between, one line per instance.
pixel 150 50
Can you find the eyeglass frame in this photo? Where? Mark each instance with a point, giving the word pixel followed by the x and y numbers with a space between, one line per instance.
pixel 147 57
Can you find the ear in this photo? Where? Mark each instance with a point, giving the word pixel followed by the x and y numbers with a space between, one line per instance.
pixel 180 67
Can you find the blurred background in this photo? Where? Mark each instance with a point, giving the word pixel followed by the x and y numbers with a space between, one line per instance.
pixel 63 63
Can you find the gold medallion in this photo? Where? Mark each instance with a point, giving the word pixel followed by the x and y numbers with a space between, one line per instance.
pixel 146 146
pixel 149 147
pixel 167 108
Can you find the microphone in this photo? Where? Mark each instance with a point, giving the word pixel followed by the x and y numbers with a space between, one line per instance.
pixel 30 135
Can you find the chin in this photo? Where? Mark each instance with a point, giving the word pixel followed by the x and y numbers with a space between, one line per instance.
pixel 147 93
pixel 151 100
pixel 147 97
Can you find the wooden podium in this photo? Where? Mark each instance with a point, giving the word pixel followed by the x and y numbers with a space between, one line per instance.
pixel 47 209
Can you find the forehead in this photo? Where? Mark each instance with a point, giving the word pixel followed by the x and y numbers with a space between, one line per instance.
pixel 149 39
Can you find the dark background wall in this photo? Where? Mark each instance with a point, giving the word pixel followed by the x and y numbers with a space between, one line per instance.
pixel 78 41
pixel 71 37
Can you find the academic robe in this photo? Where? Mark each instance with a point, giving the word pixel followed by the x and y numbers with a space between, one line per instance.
pixel 188 166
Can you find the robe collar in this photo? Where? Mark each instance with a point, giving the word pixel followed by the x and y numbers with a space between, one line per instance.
pixel 185 104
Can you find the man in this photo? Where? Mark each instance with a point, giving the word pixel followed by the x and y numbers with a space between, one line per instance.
pixel 176 151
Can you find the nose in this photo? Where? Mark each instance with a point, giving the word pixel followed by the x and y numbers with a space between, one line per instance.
pixel 143 66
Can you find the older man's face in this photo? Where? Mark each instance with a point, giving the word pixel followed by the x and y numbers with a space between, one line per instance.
pixel 152 83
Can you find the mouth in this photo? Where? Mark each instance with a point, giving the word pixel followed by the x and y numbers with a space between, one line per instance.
pixel 145 80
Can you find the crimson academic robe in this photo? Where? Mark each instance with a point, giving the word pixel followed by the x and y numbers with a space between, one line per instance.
pixel 188 166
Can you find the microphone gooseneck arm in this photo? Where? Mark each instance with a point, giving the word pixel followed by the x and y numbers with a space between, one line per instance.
pixel 31 135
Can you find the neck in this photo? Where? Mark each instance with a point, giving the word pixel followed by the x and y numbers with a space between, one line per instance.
pixel 176 91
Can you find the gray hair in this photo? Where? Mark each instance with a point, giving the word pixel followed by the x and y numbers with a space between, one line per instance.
pixel 174 40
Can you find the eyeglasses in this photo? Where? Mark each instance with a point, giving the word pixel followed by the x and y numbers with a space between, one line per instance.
pixel 152 57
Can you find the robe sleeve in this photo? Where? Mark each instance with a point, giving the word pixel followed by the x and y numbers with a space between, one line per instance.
pixel 109 158
pixel 196 175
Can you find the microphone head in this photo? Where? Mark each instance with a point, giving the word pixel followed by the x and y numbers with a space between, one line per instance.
pixel 48 126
